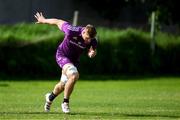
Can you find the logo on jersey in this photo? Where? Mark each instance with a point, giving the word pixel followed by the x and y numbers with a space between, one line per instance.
pixel 75 38
pixel 73 28
pixel 77 44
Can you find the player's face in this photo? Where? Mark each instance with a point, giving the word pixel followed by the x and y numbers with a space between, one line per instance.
pixel 86 36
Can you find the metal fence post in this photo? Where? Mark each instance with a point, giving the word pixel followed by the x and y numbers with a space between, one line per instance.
pixel 75 18
pixel 153 28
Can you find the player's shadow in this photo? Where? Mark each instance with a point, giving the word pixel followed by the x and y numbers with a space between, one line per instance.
pixel 124 77
pixel 97 114
pixel 105 114
pixel 30 113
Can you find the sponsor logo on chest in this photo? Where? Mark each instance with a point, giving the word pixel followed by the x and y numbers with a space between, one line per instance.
pixel 78 44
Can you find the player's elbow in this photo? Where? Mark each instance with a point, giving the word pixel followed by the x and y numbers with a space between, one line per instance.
pixel 60 23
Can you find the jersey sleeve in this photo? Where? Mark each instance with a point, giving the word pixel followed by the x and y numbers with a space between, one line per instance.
pixel 68 29
pixel 94 44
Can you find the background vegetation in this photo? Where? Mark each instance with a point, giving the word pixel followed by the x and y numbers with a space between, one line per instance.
pixel 111 9
pixel 28 50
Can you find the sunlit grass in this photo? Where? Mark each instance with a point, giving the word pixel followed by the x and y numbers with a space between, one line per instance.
pixel 145 98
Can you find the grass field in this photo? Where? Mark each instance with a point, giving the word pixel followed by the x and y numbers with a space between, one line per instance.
pixel 145 98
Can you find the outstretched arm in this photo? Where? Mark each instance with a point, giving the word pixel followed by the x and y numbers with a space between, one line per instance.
pixel 53 21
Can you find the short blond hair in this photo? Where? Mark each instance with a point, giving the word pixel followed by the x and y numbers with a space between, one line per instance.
pixel 91 30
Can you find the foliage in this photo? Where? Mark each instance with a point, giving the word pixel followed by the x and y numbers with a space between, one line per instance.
pixel 28 50
pixel 28 33
pixel 111 9
pixel 167 10
pixel 108 9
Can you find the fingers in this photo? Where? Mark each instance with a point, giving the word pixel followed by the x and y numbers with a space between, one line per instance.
pixel 38 15
pixel 35 16
pixel 92 53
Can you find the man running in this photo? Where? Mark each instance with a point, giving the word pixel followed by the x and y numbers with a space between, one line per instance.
pixel 77 39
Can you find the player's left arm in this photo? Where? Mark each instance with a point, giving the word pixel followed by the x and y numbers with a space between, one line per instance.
pixel 92 48
pixel 92 52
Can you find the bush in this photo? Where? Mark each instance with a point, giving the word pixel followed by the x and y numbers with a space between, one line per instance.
pixel 28 50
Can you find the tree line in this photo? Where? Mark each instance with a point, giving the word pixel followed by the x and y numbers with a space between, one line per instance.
pixel 167 10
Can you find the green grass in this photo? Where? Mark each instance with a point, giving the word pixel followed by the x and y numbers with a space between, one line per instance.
pixel 150 98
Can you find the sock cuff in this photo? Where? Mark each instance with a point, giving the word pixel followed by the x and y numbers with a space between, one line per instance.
pixel 52 96
pixel 66 100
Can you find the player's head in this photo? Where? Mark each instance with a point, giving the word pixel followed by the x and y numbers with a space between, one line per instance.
pixel 89 33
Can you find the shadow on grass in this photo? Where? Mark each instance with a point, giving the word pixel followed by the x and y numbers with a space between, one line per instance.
pixel 123 115
pixel 96 114
pixel 92 77
pixel 30 113
pixel 4 85
pixel 124 77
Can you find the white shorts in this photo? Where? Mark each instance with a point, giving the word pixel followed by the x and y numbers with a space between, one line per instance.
pixel 64 78
pixel 69 69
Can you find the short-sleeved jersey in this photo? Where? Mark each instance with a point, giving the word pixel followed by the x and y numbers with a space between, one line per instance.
pixel 73 44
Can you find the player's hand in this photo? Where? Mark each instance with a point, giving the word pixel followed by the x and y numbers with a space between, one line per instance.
pixel 91 52
pixel 40 18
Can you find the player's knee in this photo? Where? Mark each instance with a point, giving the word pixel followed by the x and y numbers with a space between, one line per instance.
pixel 61 84
pixel 74 77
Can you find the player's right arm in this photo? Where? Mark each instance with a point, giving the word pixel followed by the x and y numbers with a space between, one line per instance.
pixel 52 21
